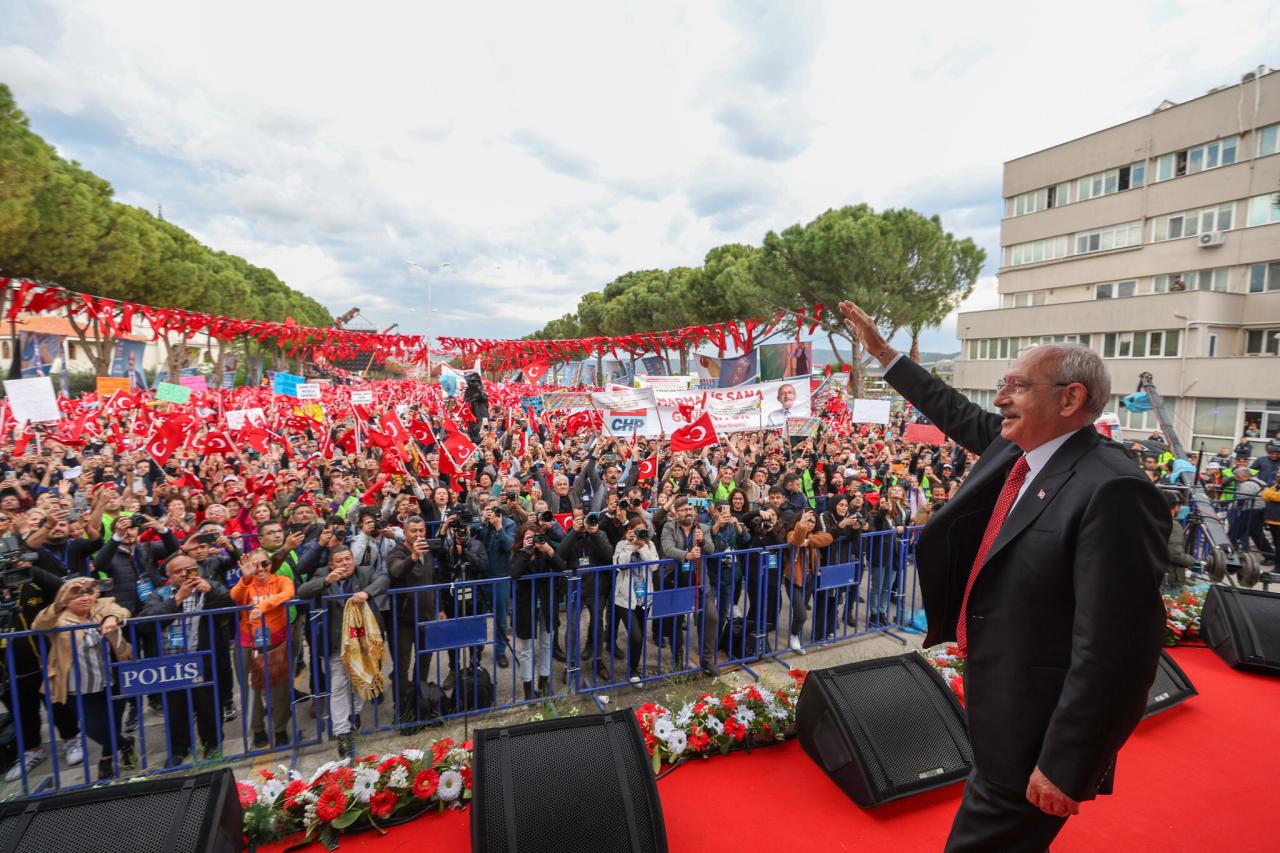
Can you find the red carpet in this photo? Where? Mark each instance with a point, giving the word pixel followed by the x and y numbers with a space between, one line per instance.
pixel 1193 778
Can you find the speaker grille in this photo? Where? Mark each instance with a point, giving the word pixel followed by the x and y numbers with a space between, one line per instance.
pixel 905 731
pixel 1262 610
pixel 1170 687
pixel 565 788
pixel 1243 627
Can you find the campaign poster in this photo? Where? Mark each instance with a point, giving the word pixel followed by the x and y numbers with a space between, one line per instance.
pixel 785 361
pixel 708 369
pixel 738 371
pixel 654 365
pixel 766 405
pixel 589 377
pixel 127 362
pixel 39 352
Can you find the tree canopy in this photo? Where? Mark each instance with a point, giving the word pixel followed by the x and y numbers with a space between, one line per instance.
pixel 902 267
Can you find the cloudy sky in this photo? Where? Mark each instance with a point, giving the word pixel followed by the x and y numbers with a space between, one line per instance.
pixel 542 149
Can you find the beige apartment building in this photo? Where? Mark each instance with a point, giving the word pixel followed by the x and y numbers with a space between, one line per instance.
pixel 1156 243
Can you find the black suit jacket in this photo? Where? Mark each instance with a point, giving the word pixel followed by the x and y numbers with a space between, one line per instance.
pixel 1065 620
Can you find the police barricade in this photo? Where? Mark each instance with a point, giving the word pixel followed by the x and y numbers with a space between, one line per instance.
pixel 154 700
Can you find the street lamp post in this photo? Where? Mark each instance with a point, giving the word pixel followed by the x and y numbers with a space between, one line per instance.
pixel 427 330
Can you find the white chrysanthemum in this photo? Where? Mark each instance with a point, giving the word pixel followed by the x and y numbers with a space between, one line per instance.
pixel 778 713
pixel 457 757
pixel 662 727
pixel 677 741
pixel 382 759
pixel 413 754
pixel 685 716
pixel 365 785
pixel 1177 614
pixel 321 770
pixel 744 715
pixel 450 786
pixel 711 700
pixel 949 673
pixel 271 789
pixel 715 726
pixel 399 778
pixel 309 814
pixel 307 796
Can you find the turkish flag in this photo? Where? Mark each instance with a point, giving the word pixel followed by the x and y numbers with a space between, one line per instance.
pixel 648 468
pixel 534 372
pixel 422 433
pixel 399 436
pixel 256 437
pixel 565 520
pixel 217 441
pixel 457 448
pixel 700 433
pixel 166 439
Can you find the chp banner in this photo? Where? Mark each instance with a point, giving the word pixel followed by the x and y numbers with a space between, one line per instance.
pixel 765 405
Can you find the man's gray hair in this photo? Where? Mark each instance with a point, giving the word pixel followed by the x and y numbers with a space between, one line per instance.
pixel 1078 363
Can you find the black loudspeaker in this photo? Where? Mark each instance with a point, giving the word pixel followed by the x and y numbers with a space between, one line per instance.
pixel 575 785
pixel 1170 688
pixel 178 814
pixel 1243 627
pixel 884 728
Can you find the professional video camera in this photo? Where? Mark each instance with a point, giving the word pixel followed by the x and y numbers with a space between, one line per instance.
pixel 15 570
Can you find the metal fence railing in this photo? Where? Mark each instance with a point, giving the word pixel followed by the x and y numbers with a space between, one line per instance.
pixel 161 705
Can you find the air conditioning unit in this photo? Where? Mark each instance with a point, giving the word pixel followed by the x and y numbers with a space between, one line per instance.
pixel 1211 239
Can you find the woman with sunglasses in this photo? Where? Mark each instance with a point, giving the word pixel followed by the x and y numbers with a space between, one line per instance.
pixel 262 630
pixel 77 668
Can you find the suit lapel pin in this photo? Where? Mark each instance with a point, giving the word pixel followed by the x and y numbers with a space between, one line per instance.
pixel 1041 495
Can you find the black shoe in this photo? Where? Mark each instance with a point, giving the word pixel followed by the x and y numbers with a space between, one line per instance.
pixel 260 740
pixel 619 653
pixel 528 691
pixel 502 660
pixel 346 746
pixel 558 654
pixel 542 685
pixel 711 668
pixel 603 671
pixel 282 738
pixel 106 769
pixel 449 680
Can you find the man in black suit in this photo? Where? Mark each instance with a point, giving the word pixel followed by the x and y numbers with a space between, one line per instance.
pixel 1046 565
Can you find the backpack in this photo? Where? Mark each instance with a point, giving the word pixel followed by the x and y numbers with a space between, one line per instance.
pixel 473 689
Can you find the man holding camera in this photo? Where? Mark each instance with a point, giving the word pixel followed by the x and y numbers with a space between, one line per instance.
pixel 184 594
pixel 412 563
pixel 687 542
pixel 130 565
pixel 498 533
pixel 584 547
pixel 465 560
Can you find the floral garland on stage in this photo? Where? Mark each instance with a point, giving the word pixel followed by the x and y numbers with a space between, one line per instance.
pixel 1182 615
pixel 948 660
pixel 341 796
pixel 716 724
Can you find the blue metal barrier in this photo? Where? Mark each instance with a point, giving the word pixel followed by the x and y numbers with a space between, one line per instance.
pixel 442 642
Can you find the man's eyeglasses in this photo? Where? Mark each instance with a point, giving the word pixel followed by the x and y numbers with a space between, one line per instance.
pixel 1019 386
pixel 262 564
pixel 4 519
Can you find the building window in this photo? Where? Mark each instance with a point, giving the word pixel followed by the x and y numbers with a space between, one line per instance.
pixel 1215 416
pixel 1264 209
pixel 1216 280
pixel 1116 237
pixel 1213 344
pixel 1036 340
pixel 1264 277
pixel 987 349
pixel 1192 222
pixel 71 351
pixel 1269 140
pixel 1211 155
pixel 1145 421
pixel 1116 290
pixel 1049 249
pixel 1152 344
pixel 1025 300
pixel 1262 342
pixel 4 350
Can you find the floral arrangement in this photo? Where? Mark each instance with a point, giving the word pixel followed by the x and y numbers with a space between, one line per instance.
pixel 714 723
pixel 346 794
pixel 948 660
pixel 1182 616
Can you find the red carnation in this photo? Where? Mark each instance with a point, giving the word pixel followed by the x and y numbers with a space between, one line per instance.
pixel 392 763
pixel 465 772
pixel 468 745
pixel 440 749
pixel 343 777
pixel 331 805
pixel 381 804
pixel 425 784
pixel 266 775
pixel 730 704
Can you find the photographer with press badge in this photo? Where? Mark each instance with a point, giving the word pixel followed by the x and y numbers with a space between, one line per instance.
pixel 465 560
pixel 583 547
pixel 636 558
pixel 29 584
pixel 533 601
pixel 412 563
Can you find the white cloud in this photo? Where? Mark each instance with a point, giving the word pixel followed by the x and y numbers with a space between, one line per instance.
pixel 569 143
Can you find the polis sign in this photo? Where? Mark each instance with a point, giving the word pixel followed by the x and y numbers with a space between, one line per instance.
pixel 157 675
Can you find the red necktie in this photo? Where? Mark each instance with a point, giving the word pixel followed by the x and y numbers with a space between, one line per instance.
pixel 1004 503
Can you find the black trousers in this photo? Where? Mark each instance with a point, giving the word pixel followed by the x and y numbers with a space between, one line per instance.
pixel 30 700
pixel 208 720
pixel 992 817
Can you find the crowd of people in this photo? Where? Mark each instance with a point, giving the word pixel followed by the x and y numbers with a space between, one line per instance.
pixel 98 532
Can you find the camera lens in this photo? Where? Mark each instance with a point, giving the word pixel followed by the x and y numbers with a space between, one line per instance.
pixel 593 519
pixel 624 504
pixel 546 517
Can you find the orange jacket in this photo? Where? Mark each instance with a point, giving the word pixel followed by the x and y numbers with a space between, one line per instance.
pixel 805 558
pixel 267 596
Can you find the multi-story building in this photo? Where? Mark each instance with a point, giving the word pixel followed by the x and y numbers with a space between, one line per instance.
pixel 1157 244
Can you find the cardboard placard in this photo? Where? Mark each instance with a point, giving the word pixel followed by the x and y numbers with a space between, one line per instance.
pixel 167 392
pixel 32 399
